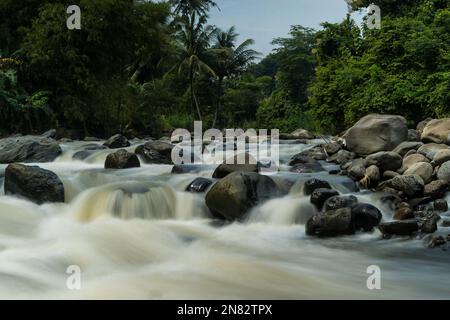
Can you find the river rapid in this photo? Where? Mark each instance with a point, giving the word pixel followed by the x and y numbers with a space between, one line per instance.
pixel 135 234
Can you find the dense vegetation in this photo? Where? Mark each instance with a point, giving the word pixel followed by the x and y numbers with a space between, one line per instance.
pixel 148 67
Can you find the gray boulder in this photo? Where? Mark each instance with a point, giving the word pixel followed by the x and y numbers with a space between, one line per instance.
pixel 444 172
pixel 406 146
pixel 122 159
pixel 33 183
pixel 385 161
pixel 28 149
pixel 231 197
pixel 375 133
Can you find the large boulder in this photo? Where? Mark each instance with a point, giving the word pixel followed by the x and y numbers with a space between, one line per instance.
pixel 117 141
pixel 375 133
pixel 28 149
pixel 437 131
pixel 33 183
pixel 331 223
pixel 385 161
pixel 231 197
pixel 122 159
pixel 232 165
pixel 156 152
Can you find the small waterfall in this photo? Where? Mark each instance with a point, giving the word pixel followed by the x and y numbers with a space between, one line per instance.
pixel 129 200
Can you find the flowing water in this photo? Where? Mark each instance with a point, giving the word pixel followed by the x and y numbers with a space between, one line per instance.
pixel 135 234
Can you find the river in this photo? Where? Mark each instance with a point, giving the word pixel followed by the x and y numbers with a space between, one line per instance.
pixel 135 234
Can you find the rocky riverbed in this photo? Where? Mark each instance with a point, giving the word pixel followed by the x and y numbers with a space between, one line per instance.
pixel 140 227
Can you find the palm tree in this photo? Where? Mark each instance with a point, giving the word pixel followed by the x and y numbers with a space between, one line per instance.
pixel 187 7
pixel 230 61
pixel 194 38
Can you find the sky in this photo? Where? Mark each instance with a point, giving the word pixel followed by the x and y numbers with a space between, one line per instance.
pixel 264 20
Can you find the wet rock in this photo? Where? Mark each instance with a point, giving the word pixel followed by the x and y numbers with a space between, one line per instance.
pixel 429 224
pixel 231 197
pixel 371 178
pixel 339 202
pixel 404 147
pixel 366 216
pixel 437 131
pixel 422 169
pixel 436 189
pixel 88 150
pixel 404 213
pixel 385 161
pixel 117 141
pixel 413 135
pixel 444 172
pixel 33 183
pixel 319 196
pixel 122 159
pixel 342 157
pixel 429 150
pixel 440 205
pixel 307 168
pixel 410 185
pixel 314 184
pixel 331 223
pixel 441 157
pixel 28 149
pixel 333 148
pixel 225 169
pixel 375 133
pixel 199 185
pixel 399 228
pixel 155 152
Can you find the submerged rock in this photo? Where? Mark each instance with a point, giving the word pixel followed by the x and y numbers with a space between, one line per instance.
pixel 199 185
pixel 231 197
pixel 28 149
pixel 122 159
pixel 331 223
pixel 375 133
pixel 33 183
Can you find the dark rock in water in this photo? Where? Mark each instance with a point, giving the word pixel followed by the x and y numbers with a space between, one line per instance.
pixel 117 141
pixel 342 157
pixel 122 159
pixel 332 148
pixel 366 216
pixel 155 152
pixel 375 133
pixel 410 185
pixel 28 149
pixel 428 224
pixel 339 202
pixel 385 161
pixel 31 182
pixel 399 228
pixel 231 197
pixel 436 242
pixel 314 184
pixel 404 147
pixel 436 189
pixel 186 168
pixel 404 213
pixel 331 223
pixel 231 165
pixel 89 150
pixel 319 196
pixel 440 205
pixel 300 159
pixel 307 168
pixel 199 185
